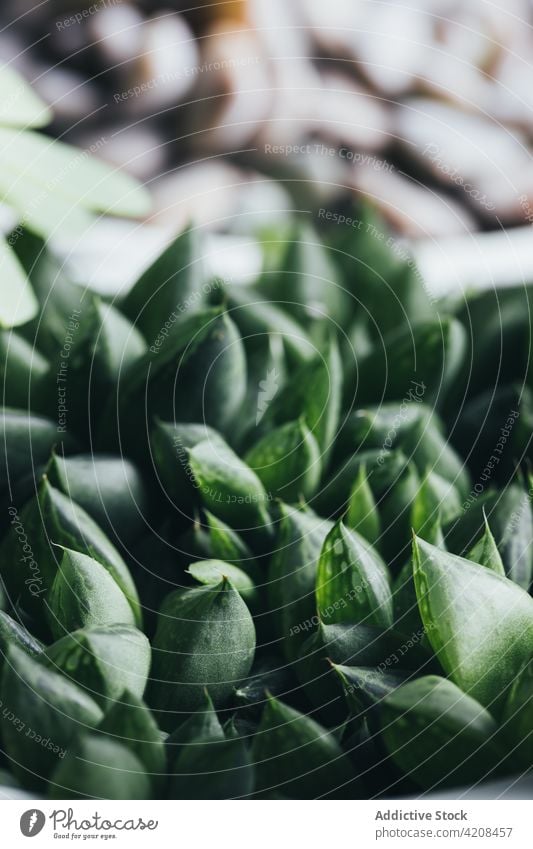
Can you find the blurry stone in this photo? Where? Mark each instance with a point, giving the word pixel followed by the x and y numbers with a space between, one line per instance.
pixel 232 96
pixel 116 33
pixel 455 146
pixel 140 150
pixel 219 194
pixel 350 115
pixel 70 95
pixel 412 209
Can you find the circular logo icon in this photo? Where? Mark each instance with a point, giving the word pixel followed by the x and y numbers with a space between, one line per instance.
pixel 32 822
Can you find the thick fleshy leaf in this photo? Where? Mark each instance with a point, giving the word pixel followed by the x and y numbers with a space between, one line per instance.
pixel 511 520
pixel 210 572
pixel 212 539
pixel 76 175
pixel 97 767
pixel 353 583
pixel 363 515
pixel 23 373
pixel 352 645
pixel 297 757
pixel 20 106
pixel 27 441
pixel 131 724
pixel 103 660
pixel 429 353
pixel 364 687
pixel 256 316
pixel 485 552
pixel 170 287
pixel 13 633
pixel 307 283
pixel 84 595
pixel 199 375
pixel 292 576
pixel 205 638
pixel 52 519
pixel 287 461
pixel 111 489
pixel 438 735
pixel 479 624
pixel 313 393
pixel 228 488
pixel 39 704
pixel 18 303
pixel 517 720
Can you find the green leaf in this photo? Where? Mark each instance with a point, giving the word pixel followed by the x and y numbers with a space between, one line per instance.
pixel 511 520
pixel 27 441
pixel 83 595
pixel 307 282
pixel 170 287
pixel 199 375
pixel 228 488
pixel 19 105
pixel 485 552
pixel 131 724
pixel 12 633
pixel 256 316
pixel 314 394
pixel 517 719
pixel 287 461
pixel 353 584
pixel 99 768
pixel 18 303
pixel 214 540
pixel 111 490
pixel 103 660
pixel 429 352
pixel 479 624
pixel 210 572
pixel 61 171
pixel 212 769
pixel 363 515
pixel 292 575
pixel 40 705
pixel 364 688
pixel 51 517
pixel 205 638
pixel 436 500
pixel 23 373
pixel 438 735
pixel 296 756
pixel 396 509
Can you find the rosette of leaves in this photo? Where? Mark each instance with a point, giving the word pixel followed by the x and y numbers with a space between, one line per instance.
pixel 76 185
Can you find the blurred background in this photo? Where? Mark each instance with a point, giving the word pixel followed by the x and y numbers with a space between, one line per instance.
pixel 236 113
